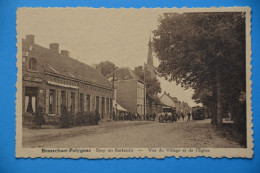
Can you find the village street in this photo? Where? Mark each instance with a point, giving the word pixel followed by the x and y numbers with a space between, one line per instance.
pixel 131 134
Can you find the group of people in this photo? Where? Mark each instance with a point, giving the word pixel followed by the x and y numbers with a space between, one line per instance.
pixel 175 116
pixel 127 116
pixel 133 116
pixel 179 116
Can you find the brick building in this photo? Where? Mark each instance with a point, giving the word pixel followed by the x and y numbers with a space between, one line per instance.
pixel 130 90
pixel 53 80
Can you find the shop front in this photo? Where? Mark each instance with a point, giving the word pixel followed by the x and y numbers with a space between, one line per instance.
pixel 32 93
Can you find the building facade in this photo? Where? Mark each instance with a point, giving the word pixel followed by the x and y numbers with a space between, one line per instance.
pixel 153 105
pixel 130 90
pixel 181 107
pixel 53 80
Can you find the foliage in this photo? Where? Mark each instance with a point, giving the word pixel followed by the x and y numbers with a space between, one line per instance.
pixel 84 118
pixel 81 118
pixel 65 119
pixel 106 67
pixel 51 119
pixel 28 118
pixel 39 117
pixel 139 71
pixel 153 86
pixel 206 52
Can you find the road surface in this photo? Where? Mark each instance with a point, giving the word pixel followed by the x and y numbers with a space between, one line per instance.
pixel 134 134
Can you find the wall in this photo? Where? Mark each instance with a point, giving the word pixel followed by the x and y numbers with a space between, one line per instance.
pixel 140 98
pixel 126 94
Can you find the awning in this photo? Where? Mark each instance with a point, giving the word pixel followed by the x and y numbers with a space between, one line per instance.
pixel 62 85
pixel 119 107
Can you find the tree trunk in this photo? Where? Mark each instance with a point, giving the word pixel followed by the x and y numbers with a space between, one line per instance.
pixel 214 106
pixel 219 104
pixel 213 114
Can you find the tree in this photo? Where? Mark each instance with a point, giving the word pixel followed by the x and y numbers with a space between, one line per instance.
pixel 153 86
pixel 206 52
pixel 106 67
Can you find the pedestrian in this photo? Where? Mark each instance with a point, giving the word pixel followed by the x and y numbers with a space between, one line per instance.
pixel 114 116
pixel 189 116
pixel 154 115
pixel 138 116
pixel 182 115
pixel 97 116
pixel 135 116
pixel 166 117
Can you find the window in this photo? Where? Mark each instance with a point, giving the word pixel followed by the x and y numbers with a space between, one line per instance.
pixel 72 106
pixel 107 105
pixel 30 99
pixel 33 64
pixel 97 103
pixel 63 100
pixel 52 101
pixel 81 103
pixel 88 102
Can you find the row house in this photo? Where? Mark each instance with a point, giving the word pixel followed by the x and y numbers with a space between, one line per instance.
pixel 181 107
pixel 53 80
pixel 153 105
pixel 130 90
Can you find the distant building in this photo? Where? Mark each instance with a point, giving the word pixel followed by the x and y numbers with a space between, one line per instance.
pixel 168 100
pixel 130 90
pixel 181 107
pixel 153 105
pixel 53 80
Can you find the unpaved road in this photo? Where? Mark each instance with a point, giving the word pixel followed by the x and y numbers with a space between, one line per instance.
pixel 139 134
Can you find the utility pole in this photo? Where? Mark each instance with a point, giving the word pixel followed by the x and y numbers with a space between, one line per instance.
pixel 113 87
pixel 113 80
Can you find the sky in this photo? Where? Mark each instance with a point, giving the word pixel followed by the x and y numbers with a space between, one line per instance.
pixel 94 35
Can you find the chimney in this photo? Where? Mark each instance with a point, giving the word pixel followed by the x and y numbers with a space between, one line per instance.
pixel 29 39
pixel 65 52
pixel 54 47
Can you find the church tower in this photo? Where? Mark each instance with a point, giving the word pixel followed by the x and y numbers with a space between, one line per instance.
pixel 149 67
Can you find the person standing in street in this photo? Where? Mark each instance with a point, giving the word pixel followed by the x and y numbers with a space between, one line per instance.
pixel 189 116
pixel 97 116
pixel 182 115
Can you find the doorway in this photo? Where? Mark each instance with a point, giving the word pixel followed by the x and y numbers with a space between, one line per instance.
pixel 30 99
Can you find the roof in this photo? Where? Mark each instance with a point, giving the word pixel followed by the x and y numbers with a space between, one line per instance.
pixel 59 64
pixel 174 99
pixel 124 73
pixel 155 99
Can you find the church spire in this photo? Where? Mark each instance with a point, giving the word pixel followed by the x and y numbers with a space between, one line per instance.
pixel 150 55
pixel 149 66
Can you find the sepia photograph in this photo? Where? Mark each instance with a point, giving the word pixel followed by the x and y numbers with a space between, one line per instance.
pixel 120 83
